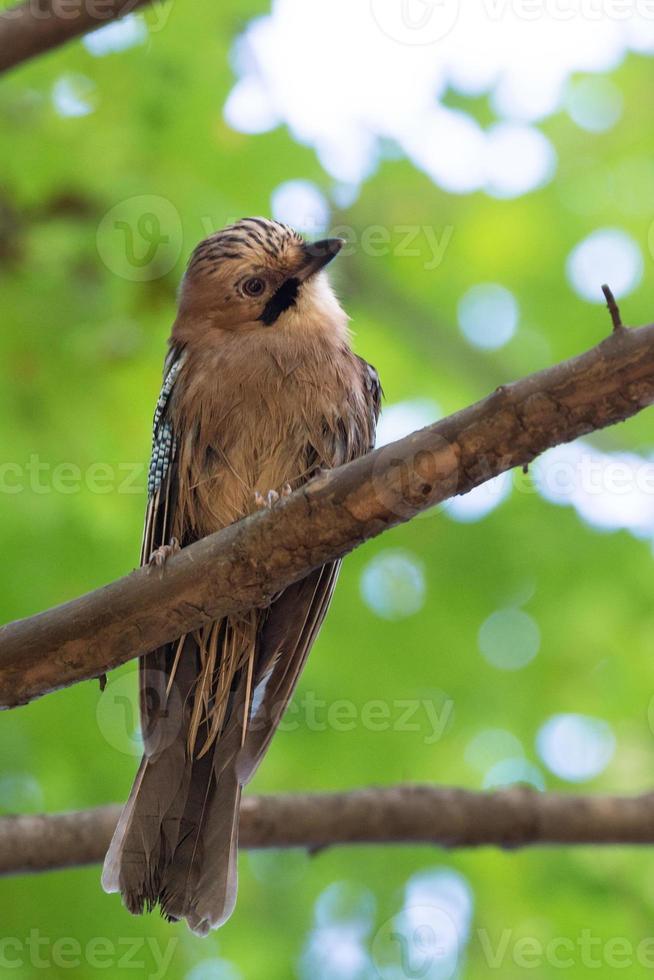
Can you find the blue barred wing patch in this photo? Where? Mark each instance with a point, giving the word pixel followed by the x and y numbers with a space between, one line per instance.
pixel 164 443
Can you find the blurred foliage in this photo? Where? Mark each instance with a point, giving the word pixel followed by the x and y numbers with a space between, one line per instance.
pixel 80 360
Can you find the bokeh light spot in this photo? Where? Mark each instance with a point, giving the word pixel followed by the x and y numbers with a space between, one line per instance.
pixel 335 949
pixel 491 745
pixel 214 969
pixel 119 36
pixel 481 501
pixel 594 103
pixel 510 772
pixel 403 418
pixel 248 108
pixel 393 584
pixel 509 639
pixel 345 901
pixel 575 747
pixel 444 887
pixel 73 95
pixel 607 255
pixel 20 792
pixel 430 933
pixel 609 491
pixel 488 315
pixel 302 205
pixel 518 159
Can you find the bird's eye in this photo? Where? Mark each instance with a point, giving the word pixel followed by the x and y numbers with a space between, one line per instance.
pixel 254 286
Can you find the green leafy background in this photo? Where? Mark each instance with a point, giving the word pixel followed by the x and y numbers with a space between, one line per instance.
pixel 80 359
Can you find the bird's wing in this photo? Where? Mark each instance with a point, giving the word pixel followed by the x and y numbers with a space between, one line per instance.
pixel 154 669
pixel 373 398
pixel 161 474
pixel 293 620
pixel 159 724
pixel 230 683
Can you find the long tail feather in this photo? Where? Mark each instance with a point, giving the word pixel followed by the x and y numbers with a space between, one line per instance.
pixel 175 844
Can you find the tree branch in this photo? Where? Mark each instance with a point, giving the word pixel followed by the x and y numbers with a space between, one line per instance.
pixel 36 26
pixel 508 818
pixel 245 564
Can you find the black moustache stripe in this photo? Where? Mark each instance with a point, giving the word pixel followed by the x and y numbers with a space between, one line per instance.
pixel 281 300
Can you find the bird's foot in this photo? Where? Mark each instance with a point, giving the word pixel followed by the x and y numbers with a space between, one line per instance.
pixel 159 557
pixel 272 498
pixel 267 502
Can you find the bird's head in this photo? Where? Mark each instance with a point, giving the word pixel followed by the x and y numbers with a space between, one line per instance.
pixel 259 274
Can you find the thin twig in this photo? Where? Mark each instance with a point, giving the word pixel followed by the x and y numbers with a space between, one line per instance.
pixel 614 310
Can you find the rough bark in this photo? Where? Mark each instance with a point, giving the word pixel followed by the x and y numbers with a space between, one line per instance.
pixel 247 563
pixel 510 818
pixel 36 26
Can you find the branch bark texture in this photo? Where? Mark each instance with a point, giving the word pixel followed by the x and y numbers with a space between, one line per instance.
pixel 35 26
pixel 245 564
pixel 510 818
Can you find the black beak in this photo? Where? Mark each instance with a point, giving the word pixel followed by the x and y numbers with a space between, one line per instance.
pixel 318 254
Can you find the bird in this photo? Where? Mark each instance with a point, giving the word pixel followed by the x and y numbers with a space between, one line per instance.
pixel 261 392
